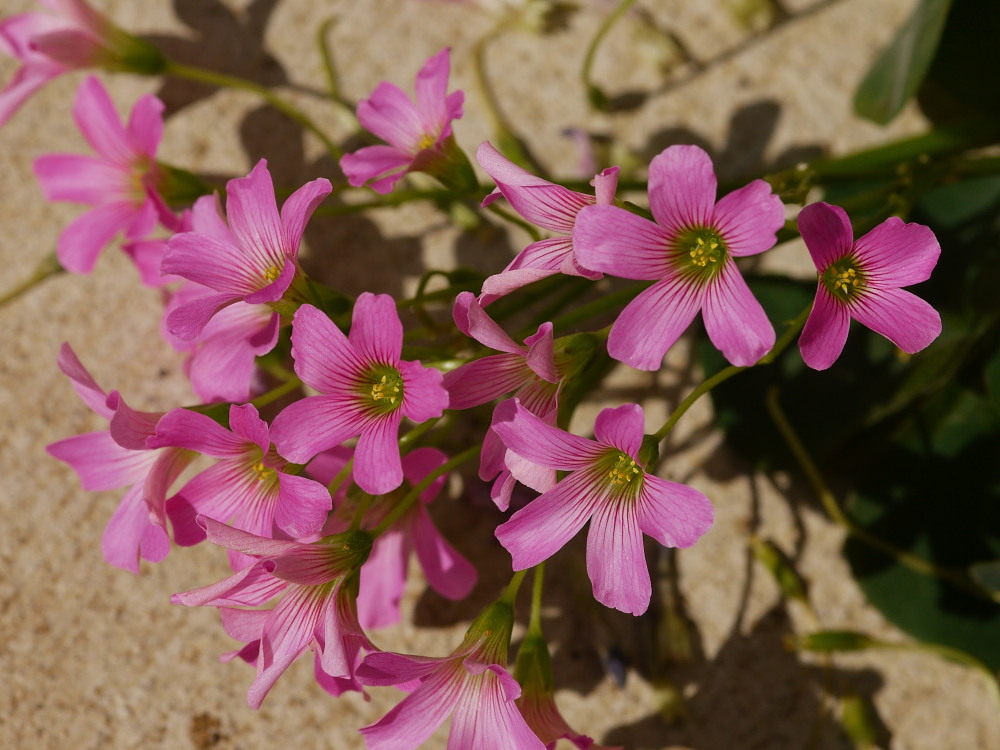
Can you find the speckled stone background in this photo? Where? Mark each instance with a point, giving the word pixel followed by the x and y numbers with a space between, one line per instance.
pixel 93 657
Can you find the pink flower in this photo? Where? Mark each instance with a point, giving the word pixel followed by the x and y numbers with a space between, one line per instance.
pixel 366 391
pixel 254 259
pixel 546 205
pixel 250 484
pixel 117 457
pixel 383 576
pixel 316 610
pixel 689 253
pixel 221 361
pixel 529 371
pixel 419 135
pixel 76 37
pixel 120 182
pixel 862 280
pixel 471 684
pixel 608 486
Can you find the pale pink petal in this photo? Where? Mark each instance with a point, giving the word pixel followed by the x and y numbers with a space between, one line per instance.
pixel 212 263
pixel 299 207
pixel 487 718
pixel 223 367
pixel 253 218
pixel 616 241
pixel 430 89
pixel 416 717
pixel 622 427
pixel 616 562
pixel 383 578
pixel 420 462
pixel 306 427
pixel 79 179
pixel 286 635
pixel 243 624
pixel 734 320
pixel 541 443
pixel 377 467
pixel 543 526
pixel 653 321
pixel 827 232
pixel 206 218
pixel 197 432
pixel 541 355
pixel 188 320
pixel 906 320
pixel 424 397
pixel 129 427
pixel 26 81
pixel 324 358
pixel 897 254
pixel 539 478
pixel 389 114
pixel 145 125
pixel 245 421
pixel 170 463
pixel 447 572
pixel 97 119
pixel 82 240
pixel 485 379
pixel 100 462
pixel 219 591
pixel 147 255
pixel 376 332
pixel 371 162
pixel 220 492
pixel 83 382
pixel 825 331
pixel 682 188
pixel 384 668
pixel 480 326
pixel 749 218
pixel 673 514
pixel 605 184
pixel 501 284
pixel 245 542
pixel 129 535
pixel 302 507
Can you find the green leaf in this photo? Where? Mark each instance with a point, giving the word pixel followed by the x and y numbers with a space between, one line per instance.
pixel 898 71
pixel 987 574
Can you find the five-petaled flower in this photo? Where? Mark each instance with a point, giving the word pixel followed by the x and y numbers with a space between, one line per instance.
pixel 365 388
pixel 689 253
pixel 862 279
pixel 419 135
pixel 607 485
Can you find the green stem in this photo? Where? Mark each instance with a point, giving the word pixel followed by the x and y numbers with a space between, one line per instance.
pixel 342 475
pixel 411 497
pixel 592 88
pixel 48 268
pixel 511 591
pixel 836 513
pixel 411 437
pixel 222 80
pixel 275 393
pixel 723 375
pixel 598 306
pixel 535 623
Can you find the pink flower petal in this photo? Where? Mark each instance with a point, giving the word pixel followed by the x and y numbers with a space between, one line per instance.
pixel 306 427
pixel 479 325
pixel 447 572
pixel 212 263
pixel 431 88
pixel 906 320
pixel 83 383
pixel 302 506
pixel 245 422
pixel 486 717
pixel 299 207
pixel 827 232
pixel 749 218
pixel 616 241
pixel 389 114
pixel 78 179
pixel 145 125
pixel 377 467
pixel 541 354
pixel 531 438
pixel 673 514
pixel 384 668
pixel 424 397
pixel 622 427
pixel 383 578
pixel 187 321
pixel 897 254
pixel 543 526
pixel 371 162
pixel 188 429
pixel 254 220
pixel 324 358
pixel 734 320
pixel 485 379
pixel 100 462
pixel 97 119
pixel 83 239
pixel 129 534
pixel 376 332
pixel 416 717
pixel 682 188
pixel 653 321
pixel 825 331
pixel 616 562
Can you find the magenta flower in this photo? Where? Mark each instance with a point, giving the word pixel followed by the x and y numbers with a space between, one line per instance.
pixel 316 608
pixel 548 206
pixel 419 135
pixel 250 485
pixel 471 684
pixel 117 457
pixel 689 253
pixel 77 36
pixel 366 391
pixel 254 259
pixel 120 182
pixel 862 280
pixel 608 486
pixel 528 370
pixel 383 576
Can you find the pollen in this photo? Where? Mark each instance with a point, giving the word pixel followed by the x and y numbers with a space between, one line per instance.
pixel 385 389
pixel 382 389
pixel 262 472
pixel 426 141
pixel 844 278
pixel 700 253
pixel 624 471
pixel 704 253
pixel 272 273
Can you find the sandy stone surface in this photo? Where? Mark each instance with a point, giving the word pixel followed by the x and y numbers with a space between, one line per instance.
pixel 94 657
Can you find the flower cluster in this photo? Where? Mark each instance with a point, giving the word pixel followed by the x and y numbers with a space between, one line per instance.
pixel 323 427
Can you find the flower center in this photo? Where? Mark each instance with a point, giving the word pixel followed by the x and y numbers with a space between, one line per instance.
pixel 623 471
pixel 382 389
pixel 700 253
pixel 426 141
pixel 263 472
pixel 272 273
pixel 844 278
